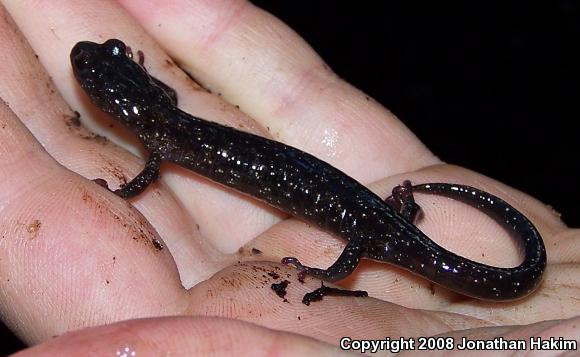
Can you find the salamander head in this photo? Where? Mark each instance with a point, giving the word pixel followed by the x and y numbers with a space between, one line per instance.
pixel 114 82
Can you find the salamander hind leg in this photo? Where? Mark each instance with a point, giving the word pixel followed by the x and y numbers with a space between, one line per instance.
pixel 403 201
pixel 343 267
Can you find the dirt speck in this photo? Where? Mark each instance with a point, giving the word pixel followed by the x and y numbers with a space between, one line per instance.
pixel 157 244
pixel 86 196
pixel 96 137
pixel 33 228
pixel 115 171
pixel 74 120
pixel 231 282
pixel 280 289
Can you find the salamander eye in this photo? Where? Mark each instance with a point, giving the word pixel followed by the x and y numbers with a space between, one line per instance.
pixel 115 47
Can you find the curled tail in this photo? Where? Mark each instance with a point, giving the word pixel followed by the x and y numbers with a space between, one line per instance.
pixel 476 279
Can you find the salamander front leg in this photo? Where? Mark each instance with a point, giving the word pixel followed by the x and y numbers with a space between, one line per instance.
pixel 137 185
pixel 171 93
pixel 343 267
pixel 403 202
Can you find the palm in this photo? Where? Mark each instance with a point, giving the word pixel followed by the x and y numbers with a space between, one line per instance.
pixel 96 251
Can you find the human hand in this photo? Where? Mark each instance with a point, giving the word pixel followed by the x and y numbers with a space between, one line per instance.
pixel 78 256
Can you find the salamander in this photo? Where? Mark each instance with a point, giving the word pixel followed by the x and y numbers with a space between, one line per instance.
pixel 300 184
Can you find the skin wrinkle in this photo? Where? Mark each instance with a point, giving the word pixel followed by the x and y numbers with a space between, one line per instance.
pixel 225 22
pixel 291 98
pixel 294 95
pixel 290 92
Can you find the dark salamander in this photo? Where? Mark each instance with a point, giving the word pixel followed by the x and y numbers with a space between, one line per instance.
pixel 301 184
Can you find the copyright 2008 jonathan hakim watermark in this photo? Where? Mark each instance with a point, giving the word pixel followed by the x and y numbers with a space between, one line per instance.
pixel 462 343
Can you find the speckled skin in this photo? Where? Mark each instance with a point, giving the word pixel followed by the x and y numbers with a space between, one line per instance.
pixel 300 184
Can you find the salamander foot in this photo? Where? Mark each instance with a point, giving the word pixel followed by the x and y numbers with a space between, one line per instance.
pixel 403 201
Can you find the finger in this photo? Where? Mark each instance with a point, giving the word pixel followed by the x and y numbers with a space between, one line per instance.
pixel 245 292
pixel 563 333
pixel 30 93
pixel 170 336
pixel 72 255
pixel 257 62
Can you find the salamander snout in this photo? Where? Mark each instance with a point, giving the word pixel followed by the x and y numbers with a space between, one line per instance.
pixel 86 56
pixel 81 55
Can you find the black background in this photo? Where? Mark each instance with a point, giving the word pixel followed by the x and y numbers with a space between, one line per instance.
pixel 491 86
